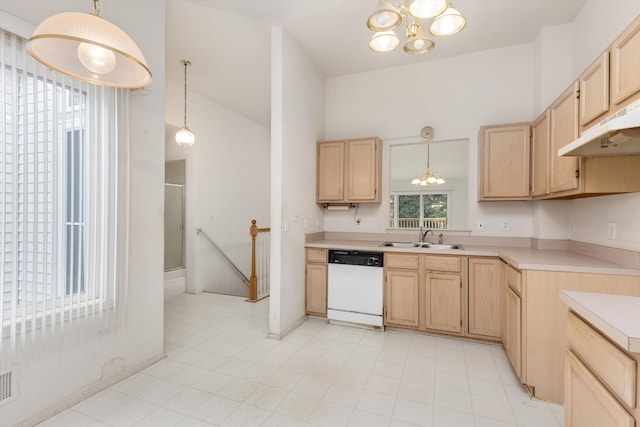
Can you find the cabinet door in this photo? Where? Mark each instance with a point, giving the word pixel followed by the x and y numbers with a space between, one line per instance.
pixel 513 330
pixel 625 63
pixel 594 90
pixel 504 161
pixel 564 129
pixel 540 155
pixel 330 171
pixel 587 402
pixel 316 289
pixel 363 170
pixel 484 297
pixel 401 298
pixel 443 302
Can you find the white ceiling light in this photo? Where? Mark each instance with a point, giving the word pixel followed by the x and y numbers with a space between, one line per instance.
pixel 89 48
pixel 392 13
pixel 184 137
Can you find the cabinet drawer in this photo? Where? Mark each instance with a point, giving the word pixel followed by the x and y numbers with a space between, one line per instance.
pixel 408 261
pixel 316 255
pixel 443 263
pixel 514 279
pixel 616 369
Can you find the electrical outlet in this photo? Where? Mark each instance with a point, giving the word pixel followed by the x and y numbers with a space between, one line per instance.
pixel 612 231
pixel 480 225
pixel 506 226
pixel 572 227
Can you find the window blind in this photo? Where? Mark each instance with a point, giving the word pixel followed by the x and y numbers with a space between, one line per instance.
pixel 63 197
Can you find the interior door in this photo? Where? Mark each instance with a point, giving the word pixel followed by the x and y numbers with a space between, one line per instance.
pixel 173 226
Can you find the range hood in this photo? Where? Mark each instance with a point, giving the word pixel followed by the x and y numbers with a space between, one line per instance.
pixel 614 136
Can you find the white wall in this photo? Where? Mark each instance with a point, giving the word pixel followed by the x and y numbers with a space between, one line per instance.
pixel 52 376
pixel 227 186
pixel 297 121
pixel 445 94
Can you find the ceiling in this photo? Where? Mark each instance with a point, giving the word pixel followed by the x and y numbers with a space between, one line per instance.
pixel 228 41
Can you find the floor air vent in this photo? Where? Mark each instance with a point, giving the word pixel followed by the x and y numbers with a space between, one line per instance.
pixel 8 389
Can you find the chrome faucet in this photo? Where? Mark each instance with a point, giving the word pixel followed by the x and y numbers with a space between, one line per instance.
pixel 440 238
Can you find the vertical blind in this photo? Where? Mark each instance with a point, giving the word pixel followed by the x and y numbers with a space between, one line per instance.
pixel 63 193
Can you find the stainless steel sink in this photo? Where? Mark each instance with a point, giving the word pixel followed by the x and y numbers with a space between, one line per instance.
pixel 421 245
pixel 401 244
pixel 441 246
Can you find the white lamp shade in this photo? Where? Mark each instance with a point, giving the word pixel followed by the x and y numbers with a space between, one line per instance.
pixel 419 42
pixel 425 9
pixel 185 138
pixel 384 41
pixel 89 48
pixel 448 23
pixel 384 19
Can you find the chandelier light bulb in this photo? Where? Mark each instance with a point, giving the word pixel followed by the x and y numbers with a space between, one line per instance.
pixel 96 59
pixel 185 138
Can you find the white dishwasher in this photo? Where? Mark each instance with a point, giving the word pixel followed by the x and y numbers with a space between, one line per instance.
pixel 355 287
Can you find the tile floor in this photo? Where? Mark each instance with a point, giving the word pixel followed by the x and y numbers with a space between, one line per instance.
pixel 222 371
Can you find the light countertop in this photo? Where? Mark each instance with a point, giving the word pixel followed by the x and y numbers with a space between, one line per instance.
pixel 616 316
pixel 522 258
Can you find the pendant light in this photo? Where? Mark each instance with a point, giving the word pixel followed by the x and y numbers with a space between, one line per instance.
pixel 184 137
pixel 89 48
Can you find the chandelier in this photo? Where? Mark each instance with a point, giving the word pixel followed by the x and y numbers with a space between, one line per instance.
pixel 446 21
pixel 428 179
pixel 184 137
pixel 89 48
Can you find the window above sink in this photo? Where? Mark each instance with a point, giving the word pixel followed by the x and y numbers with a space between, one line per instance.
pixel 436 207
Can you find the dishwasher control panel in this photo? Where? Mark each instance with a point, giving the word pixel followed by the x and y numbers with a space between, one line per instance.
pixel 350 257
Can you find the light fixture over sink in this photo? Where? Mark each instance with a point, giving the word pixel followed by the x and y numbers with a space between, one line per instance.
pixel 446 21
pixel 89 48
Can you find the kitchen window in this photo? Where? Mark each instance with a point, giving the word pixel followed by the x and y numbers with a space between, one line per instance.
pixel 63 187
pixel 412 210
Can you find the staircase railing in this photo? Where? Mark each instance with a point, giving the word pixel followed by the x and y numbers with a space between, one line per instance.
pixel 260 258
pixel 233 266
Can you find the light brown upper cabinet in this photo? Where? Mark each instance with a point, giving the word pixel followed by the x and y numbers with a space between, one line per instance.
pixel 348 171
pixel 625 63
pixel 563 113
pixel 594 91
pixel 540 135
pixel 504 162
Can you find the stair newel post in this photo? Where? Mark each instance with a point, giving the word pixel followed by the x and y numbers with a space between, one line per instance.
pixel 253 280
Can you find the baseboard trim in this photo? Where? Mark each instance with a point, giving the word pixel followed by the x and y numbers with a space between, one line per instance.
pixel 287 331
pixel 88 391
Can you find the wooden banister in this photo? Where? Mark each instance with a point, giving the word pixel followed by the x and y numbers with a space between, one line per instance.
pixel 253 280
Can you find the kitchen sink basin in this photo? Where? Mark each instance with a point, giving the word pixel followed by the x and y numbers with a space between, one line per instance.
pixel 421 245
pixel 401 244
pixel 441 246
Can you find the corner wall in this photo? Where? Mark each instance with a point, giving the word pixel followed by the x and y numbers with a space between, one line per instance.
pixel 297 122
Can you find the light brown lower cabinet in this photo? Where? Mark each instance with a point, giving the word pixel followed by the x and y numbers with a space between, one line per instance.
pixel 601 379
pixel 485 290
pixel 401 298
pixel 316 282
pixel 513 330
pixel 443 300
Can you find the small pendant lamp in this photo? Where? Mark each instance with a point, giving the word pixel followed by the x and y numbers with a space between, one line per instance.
pixel 184 137
pixel 90 48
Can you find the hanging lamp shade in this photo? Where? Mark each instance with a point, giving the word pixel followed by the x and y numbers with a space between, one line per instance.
pixel 425 9
pixel 448 23
pixel 385 19
pixel 419 42
pixel 89 48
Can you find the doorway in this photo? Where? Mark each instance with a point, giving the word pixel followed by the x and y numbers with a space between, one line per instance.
pixel 174 210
